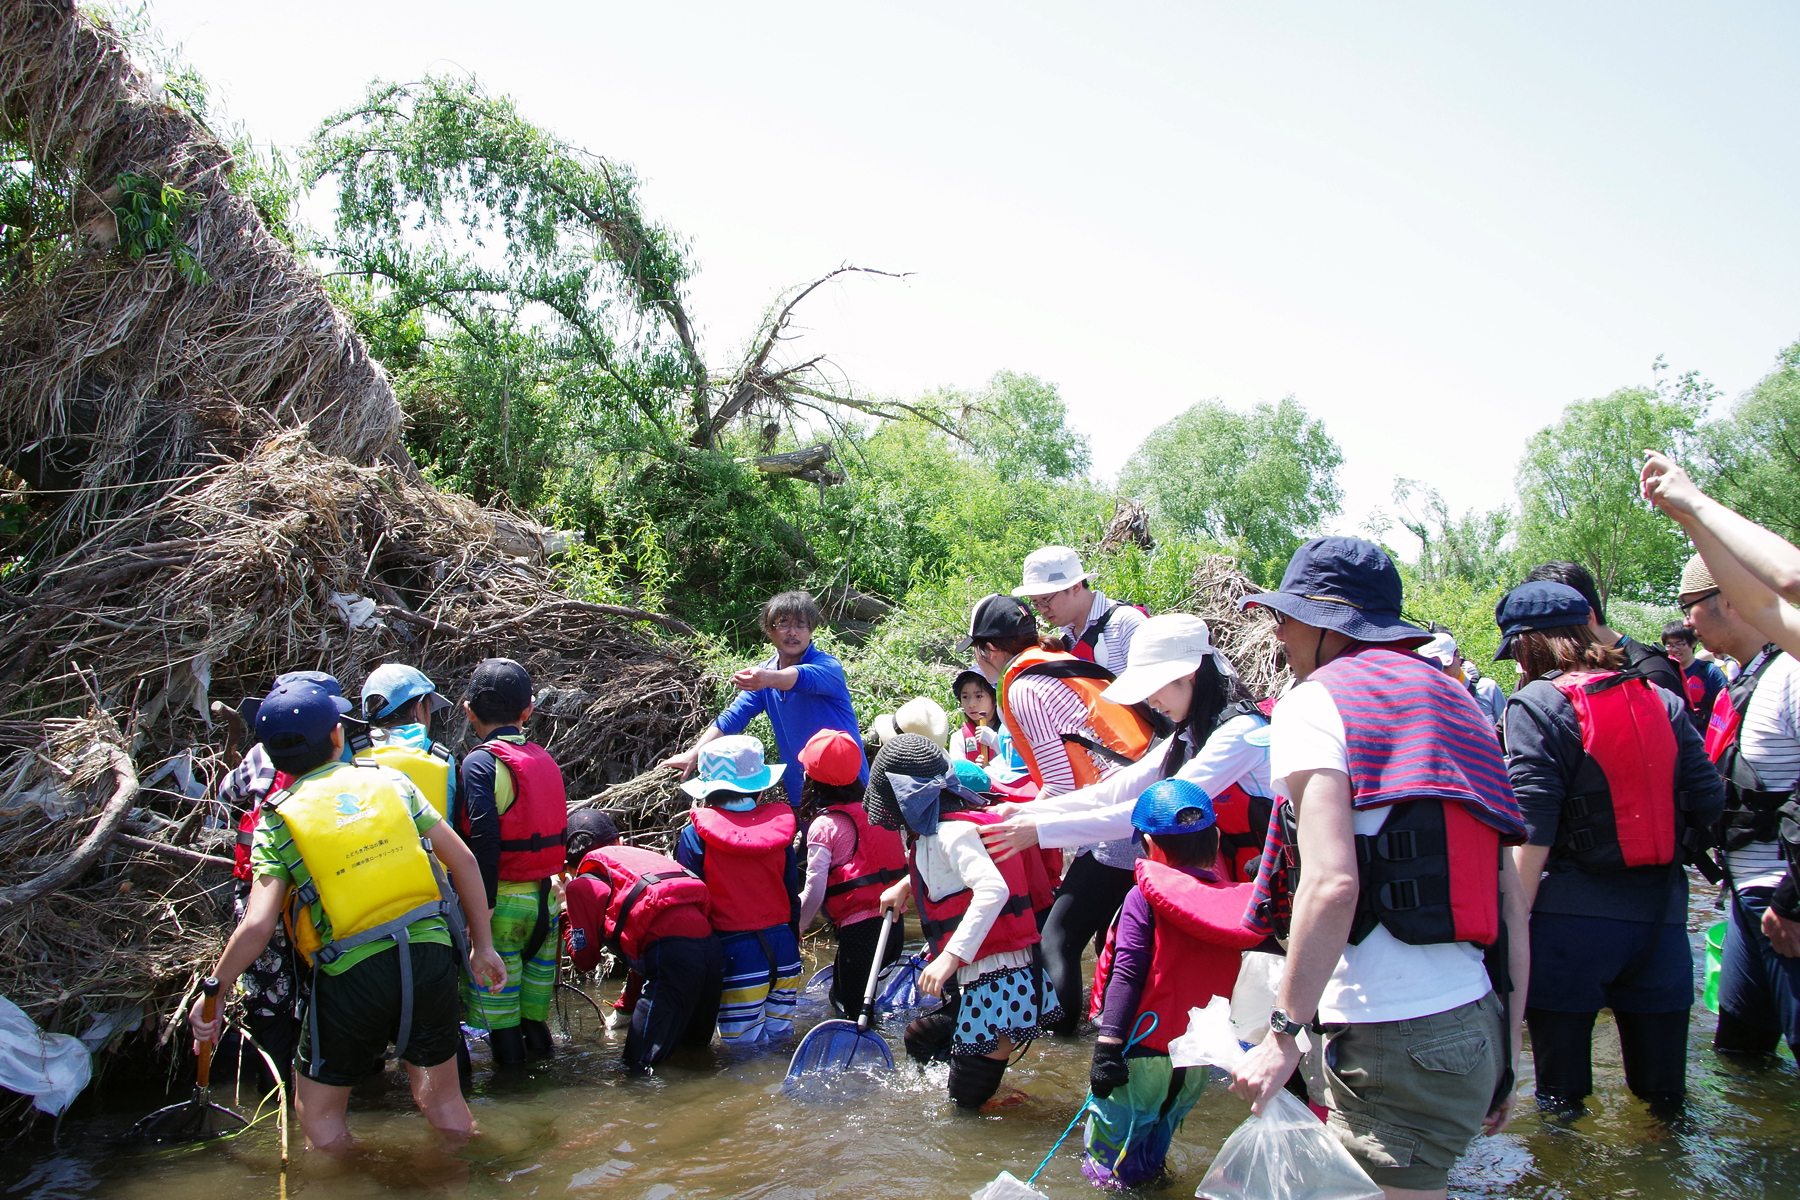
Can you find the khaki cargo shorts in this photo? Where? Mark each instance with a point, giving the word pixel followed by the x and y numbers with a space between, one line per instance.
pixel 1407 1097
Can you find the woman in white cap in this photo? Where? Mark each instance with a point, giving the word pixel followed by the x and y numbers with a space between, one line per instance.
pixel 1220 743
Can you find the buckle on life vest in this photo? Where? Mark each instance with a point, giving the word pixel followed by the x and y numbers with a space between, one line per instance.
pixel 1577 807
pixel 1581 841
pixel 1400 895
pixel 307 893
pixel 245 837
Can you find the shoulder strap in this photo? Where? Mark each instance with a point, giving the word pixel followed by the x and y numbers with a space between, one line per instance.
pixel 1069 668
pixel 1744 686
pixel 1091 635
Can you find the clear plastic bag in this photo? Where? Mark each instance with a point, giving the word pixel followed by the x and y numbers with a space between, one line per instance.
pixel 1008 1187
pixel 1285 1154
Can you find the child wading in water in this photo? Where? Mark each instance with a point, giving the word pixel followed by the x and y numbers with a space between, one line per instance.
pixel 1175 946
pixel 848 862
pixel 977 918
pixel 744 850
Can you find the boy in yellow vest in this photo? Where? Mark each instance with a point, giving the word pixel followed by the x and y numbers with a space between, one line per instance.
pixel 399 702
pixel 353 846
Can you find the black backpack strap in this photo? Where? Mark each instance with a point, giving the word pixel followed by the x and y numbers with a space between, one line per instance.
pixel 1069 668
pixel 1091 635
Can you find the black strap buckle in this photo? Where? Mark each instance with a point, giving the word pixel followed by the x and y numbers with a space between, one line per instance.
pixel 1400 895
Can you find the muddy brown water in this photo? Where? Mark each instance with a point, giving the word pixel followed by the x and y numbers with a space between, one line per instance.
pixel 718 1126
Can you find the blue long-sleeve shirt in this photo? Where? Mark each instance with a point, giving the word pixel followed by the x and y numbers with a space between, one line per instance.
pixel 819 699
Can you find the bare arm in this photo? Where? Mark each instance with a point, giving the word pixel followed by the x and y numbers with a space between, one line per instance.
pixel 689 758
pixel 248 941
pixel 1515 910
pixel 1324 908
pixel 1754 567
pixel 1528 868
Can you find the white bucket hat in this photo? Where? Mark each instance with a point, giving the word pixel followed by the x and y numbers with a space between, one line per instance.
pixel 924 717
pixel 1050 569
pixel 1441 647
pixel 1163 650
pixel 733 764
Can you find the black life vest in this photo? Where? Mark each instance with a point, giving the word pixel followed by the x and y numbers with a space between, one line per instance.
pixel 1752 812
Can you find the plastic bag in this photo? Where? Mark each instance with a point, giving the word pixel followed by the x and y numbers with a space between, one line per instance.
pixel 50 1067
pixel 1008 1187
pixel 1285 1154
pixel 1209 1040
pixel 1253 996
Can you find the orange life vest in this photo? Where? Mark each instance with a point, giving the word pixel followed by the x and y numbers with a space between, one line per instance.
pixel 1120 734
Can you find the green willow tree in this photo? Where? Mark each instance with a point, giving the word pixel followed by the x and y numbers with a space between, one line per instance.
pixel 1578 496
pixel 1259 481
pixel 1755 450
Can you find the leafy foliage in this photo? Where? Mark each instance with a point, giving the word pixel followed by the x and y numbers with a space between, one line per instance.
pixel 150 214
pixel 1755 450
pixel 1578 489
pixel 1259 481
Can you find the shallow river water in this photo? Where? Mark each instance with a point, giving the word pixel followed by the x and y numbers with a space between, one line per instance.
pixel 715 1127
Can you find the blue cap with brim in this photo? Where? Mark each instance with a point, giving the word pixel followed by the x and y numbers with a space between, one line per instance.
pixel 294 723
pixel 247 707
pixel 1540 604
pixel 1172 806
pixel 399 685
pixel 1346 584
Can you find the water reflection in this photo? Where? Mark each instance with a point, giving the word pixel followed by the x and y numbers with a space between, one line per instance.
pixel 715 1124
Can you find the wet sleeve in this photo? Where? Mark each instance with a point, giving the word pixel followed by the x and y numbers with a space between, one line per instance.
pixel 1130 971
pixel 482 818
pixel 1541 752
pixel 744 708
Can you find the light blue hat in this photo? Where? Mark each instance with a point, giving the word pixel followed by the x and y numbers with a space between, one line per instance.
pixel 1172 806
pixel 399 685
pixel 733 764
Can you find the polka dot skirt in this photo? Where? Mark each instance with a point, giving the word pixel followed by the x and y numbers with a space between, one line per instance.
pixel 1019 1003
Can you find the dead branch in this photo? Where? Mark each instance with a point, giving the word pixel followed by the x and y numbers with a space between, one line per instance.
pixel 84 855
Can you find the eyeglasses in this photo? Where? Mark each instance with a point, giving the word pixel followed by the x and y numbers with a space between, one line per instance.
pixel 791 625
pixel 1702 598
pixel 1040 601
pixel 1280 617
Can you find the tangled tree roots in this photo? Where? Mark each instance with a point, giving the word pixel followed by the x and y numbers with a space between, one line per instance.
pixel 1247 638
pixel 118 376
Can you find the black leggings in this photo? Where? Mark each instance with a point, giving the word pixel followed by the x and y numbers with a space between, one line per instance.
pixel 855 957
pixel 1653 1047
pixel 1086 903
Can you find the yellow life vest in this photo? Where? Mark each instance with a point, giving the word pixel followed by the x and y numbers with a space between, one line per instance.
pixel 370 869
pixel 428 769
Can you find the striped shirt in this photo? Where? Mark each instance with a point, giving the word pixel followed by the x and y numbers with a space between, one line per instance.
pixel 1769 740
pixel 1043 710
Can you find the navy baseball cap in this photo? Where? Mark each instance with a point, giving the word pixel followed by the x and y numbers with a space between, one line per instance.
pixel 1537 605
pixel 294 723
pixel 505 684
pixel 247 708
pixel 1346 584
pixel 1172 806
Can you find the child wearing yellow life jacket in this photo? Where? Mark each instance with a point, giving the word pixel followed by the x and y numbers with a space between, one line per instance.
pixel 744 850
pixel 653 912
pixel 353 846
pixel 1176 944
pixel 514 814
pixel 976 915
pixel 399 703
pixel 848 862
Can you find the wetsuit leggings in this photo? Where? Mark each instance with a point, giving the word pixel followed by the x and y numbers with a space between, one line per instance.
pixel 1653 1047
pixel 1086 904
pixel 855 958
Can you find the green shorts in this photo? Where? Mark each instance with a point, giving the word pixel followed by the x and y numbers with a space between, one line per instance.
pixel 1407 1097
pixel 359 1015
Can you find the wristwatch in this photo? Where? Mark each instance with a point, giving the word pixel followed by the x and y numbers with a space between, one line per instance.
pixel 1280 1022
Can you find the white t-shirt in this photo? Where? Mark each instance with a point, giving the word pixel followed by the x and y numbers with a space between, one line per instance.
pixel 1383 979
pixel 1770 742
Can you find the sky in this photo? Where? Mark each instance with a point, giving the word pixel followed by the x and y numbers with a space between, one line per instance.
pixel 1433 224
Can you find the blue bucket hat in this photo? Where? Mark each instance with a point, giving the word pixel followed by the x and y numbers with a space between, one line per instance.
pixel 1172 806
pixel 399 685
pixel 1537 605
pixel 1346 584
pixel 295 720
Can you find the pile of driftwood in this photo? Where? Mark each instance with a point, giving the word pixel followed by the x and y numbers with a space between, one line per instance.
pixel 1247 638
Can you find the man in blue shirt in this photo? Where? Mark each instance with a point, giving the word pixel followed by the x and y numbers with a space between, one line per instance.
pixel 1703 679
pixel 801 690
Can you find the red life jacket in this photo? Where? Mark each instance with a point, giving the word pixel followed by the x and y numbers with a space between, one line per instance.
pixel 1014 929
pixel 1083 646
pixel 1200 937
pixel 246 829
pixel 532 829
pixel 878 859
pixel 1243 823
pixel 644 885
pixel 746 865
pixel 1621 806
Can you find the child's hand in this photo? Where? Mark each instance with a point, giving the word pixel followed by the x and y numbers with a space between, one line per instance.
pixel 988 738
pixel 942 970
pixel 897 897
pixel 488 969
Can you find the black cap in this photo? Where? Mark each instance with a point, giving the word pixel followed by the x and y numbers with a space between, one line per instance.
pixel 501 686
pixel 999 617
pixel 1540 604
pixel 593 825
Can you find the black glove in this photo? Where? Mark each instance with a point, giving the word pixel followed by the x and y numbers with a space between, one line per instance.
pixel 1109 1070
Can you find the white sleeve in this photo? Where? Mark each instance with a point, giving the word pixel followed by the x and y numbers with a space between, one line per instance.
pixel 1120 628
pixel 1227 757
pixel 1306 734
pixel 961 842
pixel 1100 812
pixel 812 893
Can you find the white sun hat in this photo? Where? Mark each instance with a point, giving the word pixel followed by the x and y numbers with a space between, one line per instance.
pixel 1441 647
pixel 1163 650
pixel 925 717
pixel 1050 569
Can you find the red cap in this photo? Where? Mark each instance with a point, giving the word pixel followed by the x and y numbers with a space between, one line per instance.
pixel 832 757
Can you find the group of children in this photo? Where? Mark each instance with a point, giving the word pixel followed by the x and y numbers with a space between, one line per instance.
pixel 710 934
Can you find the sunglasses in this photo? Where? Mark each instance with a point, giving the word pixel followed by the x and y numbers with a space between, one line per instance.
pixel 1702 598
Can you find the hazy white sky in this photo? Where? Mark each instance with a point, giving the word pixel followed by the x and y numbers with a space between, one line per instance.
pixel 1433 223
